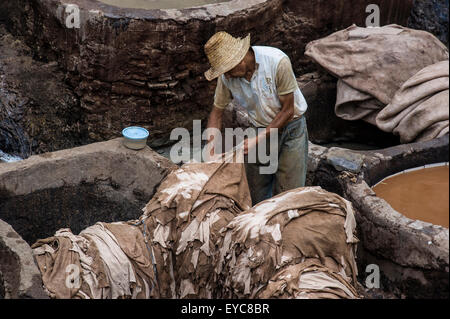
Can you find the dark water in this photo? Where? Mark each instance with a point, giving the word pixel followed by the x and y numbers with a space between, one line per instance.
pixel 160 4
pixel 4 157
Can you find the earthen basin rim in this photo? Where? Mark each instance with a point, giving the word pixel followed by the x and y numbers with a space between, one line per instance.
pixel 410 221
pixel 204 12
pixel 411 170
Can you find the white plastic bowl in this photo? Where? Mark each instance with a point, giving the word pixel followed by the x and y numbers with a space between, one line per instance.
pixel 135 137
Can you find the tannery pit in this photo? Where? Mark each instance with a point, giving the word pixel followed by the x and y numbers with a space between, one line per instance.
pixel 74 74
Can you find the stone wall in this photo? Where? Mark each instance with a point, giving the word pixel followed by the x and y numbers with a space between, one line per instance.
pixel 431 16
pixel 138 67
pixel 19 275
pixel 412 256
pixel 38 111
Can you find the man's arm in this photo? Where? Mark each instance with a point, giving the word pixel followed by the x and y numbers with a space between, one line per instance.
pixel 286 85
pixel 286 114
pixel 214 122
pixel 222 97
pixel 215 119
pixel 281 119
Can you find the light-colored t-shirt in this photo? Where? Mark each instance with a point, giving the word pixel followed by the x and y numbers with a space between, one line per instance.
pixel 260 95
pixel 284 82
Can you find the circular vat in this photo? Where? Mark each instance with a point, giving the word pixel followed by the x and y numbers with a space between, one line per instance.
pixel 132 66
pixel 419 193
pixel 160 4
pixel 144 67
pixel 408 242
pixel 78 187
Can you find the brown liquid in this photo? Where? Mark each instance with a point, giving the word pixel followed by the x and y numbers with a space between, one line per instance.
pixel 421 194
pixel 159 4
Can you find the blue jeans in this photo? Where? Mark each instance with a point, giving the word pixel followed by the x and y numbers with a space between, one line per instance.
pixel 292 163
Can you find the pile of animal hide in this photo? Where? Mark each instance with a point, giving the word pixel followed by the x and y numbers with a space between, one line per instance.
pixel 198 237
pixel 393 77
pixel 185 216
pixel 166 253
pixel 300 243
pixel 105 261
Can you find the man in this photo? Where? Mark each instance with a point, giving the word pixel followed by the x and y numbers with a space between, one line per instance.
pixel 261 80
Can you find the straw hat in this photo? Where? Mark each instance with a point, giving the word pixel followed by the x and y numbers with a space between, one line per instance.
pixel 224 52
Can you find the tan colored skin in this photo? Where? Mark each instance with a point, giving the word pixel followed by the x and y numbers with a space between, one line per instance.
pixel 245 69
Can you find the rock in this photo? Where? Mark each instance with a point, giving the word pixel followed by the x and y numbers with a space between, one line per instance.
pixel 19 275
pixel 342 159
pixel 431 16
pixel 38 112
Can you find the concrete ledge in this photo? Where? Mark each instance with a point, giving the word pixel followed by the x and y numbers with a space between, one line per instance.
pixel 139 170
pixel 412 254
pixel 78 187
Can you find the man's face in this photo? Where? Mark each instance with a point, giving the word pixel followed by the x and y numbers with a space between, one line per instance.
pixel 238 71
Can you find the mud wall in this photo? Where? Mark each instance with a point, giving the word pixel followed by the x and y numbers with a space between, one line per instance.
pixel 38 111
pixel 412 256
pixel 19 275
pixel 138 67
pixel 431 16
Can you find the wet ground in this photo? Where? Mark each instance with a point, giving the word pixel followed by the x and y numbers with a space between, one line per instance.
pixel 38 111
pixel 4 157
